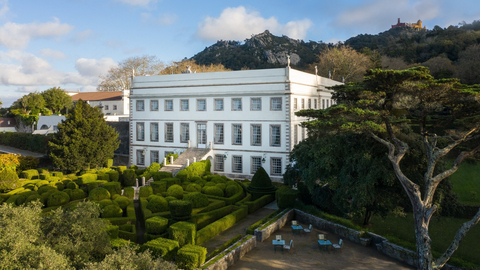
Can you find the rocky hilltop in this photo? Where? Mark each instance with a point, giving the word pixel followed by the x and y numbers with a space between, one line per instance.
pixel 260 51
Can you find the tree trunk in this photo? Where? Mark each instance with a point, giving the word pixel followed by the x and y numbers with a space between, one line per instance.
pixel 368 217
pixel 424 250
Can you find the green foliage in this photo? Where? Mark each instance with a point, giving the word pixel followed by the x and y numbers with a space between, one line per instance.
pixel 145 191
pixel 156 225
pixel 87 178
pixel 197 199
pixel 77 194
pixel 183 232
pixel 112 231
pixel 159 186
pixel 220 225
pixel 190 257
pixel 114 176
pixel 113 188
pixel 27 163
pixel 58 198
pixel 162 247
pixel 175 191
pixel 104 203
pixel 259 203
pixel 203 219
pixel 223 247
pixel 8 179
pixel 198 169
pixel 231 190
pixel 180 210
pixel 286 197
pixel 111 211
pixel 213 190
pixel 129 192
pixel 193 188
pixel 129 178
pixel 29 174
pixel 57 100
pixel 157 204
pixel 98 194
pixel 261 184
pixel 33 198
pixel 251 228
pixel 83 140
pixel 122 202
pixel 157 176
pixel 72 185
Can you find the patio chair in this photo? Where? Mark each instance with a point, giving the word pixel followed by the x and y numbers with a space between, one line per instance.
pixel 309 228
pixel 321 236
pixel 288 246
pixel 294 222
pixel 278 237
pixel 339 245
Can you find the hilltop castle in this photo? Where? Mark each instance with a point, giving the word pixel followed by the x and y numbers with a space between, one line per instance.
pixel 417 25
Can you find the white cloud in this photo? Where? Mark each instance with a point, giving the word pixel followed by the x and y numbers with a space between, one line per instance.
pixel 94 67
pixel 17 36
pixel 162 19
pixel 137 2
pixel 4 9
pixel 52 54
pixel 27 89
pixel 239 23
pixel 82 36
pixel 378 15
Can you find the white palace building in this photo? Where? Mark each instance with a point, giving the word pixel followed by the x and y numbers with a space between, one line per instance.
pixel 242 119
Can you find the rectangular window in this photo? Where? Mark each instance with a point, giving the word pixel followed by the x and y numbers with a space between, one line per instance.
pixel 255 104
pixel 256 138
pixel 309 103
pixel 276 166
pixel 218 136
pixel 219 165
pixel 295 134
pixel 106 107
pixel 154 157
pixel 140 105
pixel 256 163
pixel 168 132
pixel 236 104
pixel 153 105
pixel 184 105
pixel 154 132
pixel 140 157
pixel 168 105
pixel 201 105
pixel 184 132
pixel 276 104
pixel 140 131
pixel 114 107
pixel 295 105
pixel 237 134
pixel 218 104
pixel 315 104
pixel 303 103
pixel 237 164
pixel 274 135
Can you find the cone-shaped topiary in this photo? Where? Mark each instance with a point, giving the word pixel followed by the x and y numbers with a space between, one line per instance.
pixel 261 184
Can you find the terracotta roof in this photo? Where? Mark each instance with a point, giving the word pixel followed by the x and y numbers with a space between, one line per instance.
pixel 97 96
pixel 4 122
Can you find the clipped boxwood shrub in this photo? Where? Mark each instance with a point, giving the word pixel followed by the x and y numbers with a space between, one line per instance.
pixel 209 184
pixel 156 225
pixel 162 247
pixel 217 179
pixel 104 203
pixel 129 178
pixel 172 181
pixel 221 186
pixel 111 211
pixel 122 202
pixel 58 198
pixel 157 176
pixel 261 184
pixel 170 198
pixel 87 178
pixel 44 175
pixel 201 182
pixel 146 191
pixel 60 186
pixel 44 189
pixel 29 174
pixel 286 197
pixel 203 219
pixel 175 191
pixel 72 185
pixel 214 191
pixel 42 183
pixel 220 225
pixel 190 257
pixel 77 194
pixel 57 174
pixel 91 186
pixel 113 188
pixel 180 210
pixel 159 186
pixel 112 231
pixel 231 190
pixel 197 199
pixel 103 176
pixel 129 192
pixel 98 194
pixel 113 175
pixel 33 197
pixel 193 188
pixel 157 204
pixel 183 232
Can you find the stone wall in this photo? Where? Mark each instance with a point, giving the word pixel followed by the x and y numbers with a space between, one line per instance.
pixel 233 256
pixel 265 233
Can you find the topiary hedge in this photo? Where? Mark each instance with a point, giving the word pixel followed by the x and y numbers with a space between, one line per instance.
pixel 159 186
pixel 175 191
pixel 197 199
pixel 29 174
pixel 9 179
pixel 157 176
pixel 261 184
pixel 113 188
pixel 33 197
pixel 145 191
pixel 57 198
pixel 193 188
pixel 98 194
pixel 180 210
pixel 231 190
pixel 129 178
pixel 129 192
pixel 286 197
pixel 113 175
pixel 220 225
pixel 77 194
pixel 190 257
pixel 156 225
pixel 183 232
pixel 259 203
pixel 87 178
pixel 122 202
pixel 203 219
pixel 112 211
pixel 72 185
pixel 213 190
pixel 162 247
pixel 157 204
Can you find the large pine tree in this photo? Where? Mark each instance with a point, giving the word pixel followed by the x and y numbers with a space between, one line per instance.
pixel 84 140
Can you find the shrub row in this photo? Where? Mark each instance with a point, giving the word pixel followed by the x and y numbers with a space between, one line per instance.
pixel 204 219
pixel 220 225
pixel 286 197
pixel 26 141
pixel 190 257
pixel 183 232
pixel 251 228
pixel 259 203
pixel 162 247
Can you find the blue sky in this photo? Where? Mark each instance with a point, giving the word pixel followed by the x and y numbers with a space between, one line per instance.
pixel 69 43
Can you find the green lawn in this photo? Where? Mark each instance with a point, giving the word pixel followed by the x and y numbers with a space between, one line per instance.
pixel 466 183
pixel 442 231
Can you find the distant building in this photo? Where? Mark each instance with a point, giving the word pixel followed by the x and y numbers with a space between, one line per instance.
pixel 48 124
pixel 417 25
pixel 114 105
pixel 7 124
